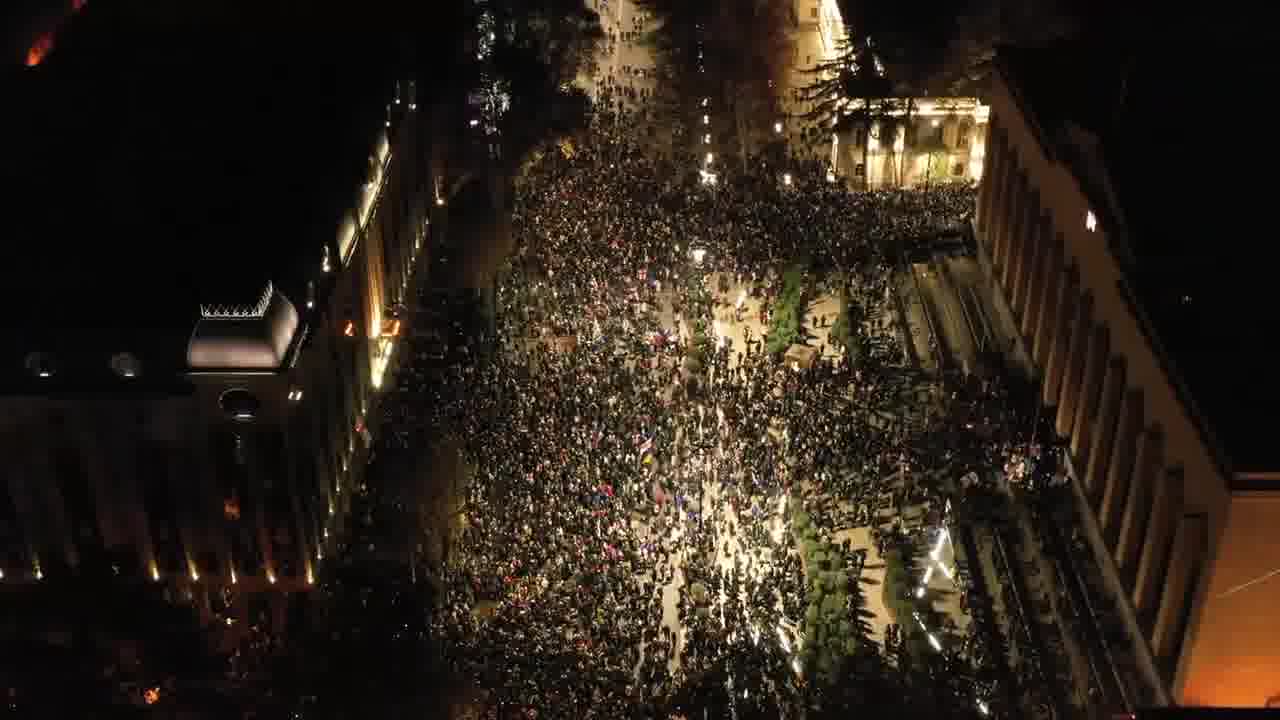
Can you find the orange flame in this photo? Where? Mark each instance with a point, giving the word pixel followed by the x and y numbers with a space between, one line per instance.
pixel 43 45
pixel 40 49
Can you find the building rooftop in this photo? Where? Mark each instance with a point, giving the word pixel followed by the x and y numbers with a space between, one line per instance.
pixel 155 162
pixel 1199 274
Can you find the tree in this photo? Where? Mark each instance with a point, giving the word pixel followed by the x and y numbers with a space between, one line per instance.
pixel 734 53
pixel 947 48
pixel 850 94
pixel 786 325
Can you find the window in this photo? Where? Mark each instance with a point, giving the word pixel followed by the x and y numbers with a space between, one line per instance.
pixel 41 364
pixel 813 13
pixel 239 404
pixel 126 365
pixel 859 170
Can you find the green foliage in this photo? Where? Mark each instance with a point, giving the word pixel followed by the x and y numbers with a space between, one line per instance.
pixel 786 324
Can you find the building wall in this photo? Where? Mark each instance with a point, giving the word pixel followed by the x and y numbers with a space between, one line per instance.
pixel 1235 661
pixel 808 13
pixel 171 488
pixel 1155 493
pixel 939 142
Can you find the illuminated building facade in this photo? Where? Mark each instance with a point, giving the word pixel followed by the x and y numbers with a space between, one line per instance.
pixel 942 141
pixel 195 409
pixel 1181 525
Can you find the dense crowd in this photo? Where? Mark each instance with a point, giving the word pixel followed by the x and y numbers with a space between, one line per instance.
pixel 629 549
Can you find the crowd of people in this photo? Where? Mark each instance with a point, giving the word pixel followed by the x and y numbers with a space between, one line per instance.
pixel 628 549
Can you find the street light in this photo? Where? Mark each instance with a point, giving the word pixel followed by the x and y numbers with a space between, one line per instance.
pixel 831 176
pixel 710 158
pixel 786 179
pixel 777 128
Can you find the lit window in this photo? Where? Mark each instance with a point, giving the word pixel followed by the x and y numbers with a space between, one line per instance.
pixel 41 364
pixel 239 404
pixel 126 365
pixel 1090 221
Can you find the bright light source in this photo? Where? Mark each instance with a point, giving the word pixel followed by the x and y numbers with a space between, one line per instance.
pixel 413 106
pixel 933 640
pixel 350 329
pixel 234 579
pixel 195 575
pixel 271 577
pixel 935 122
pixel 155 573
pixel 706 139
pixel 439 201
pixel 706 119
pixel 920 592
pixel 831 176
pixel 1090 221
pixel 45 374
pixel 705 101
pixel 474 122
pixel 699 255
pixel 928 573
pixel 786 178
pixel 710 158
pixel 937 548
pixel 777 128
pixel 983 708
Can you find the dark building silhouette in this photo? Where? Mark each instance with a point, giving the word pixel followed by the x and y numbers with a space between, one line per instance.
pixel 212 229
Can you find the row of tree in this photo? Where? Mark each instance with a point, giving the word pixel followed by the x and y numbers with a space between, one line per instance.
pixel 735 54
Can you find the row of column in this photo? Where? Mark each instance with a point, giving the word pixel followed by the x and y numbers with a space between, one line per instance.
pixel 1138 502
pixel 46 538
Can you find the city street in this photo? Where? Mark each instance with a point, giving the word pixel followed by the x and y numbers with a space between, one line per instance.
pixel 635 509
